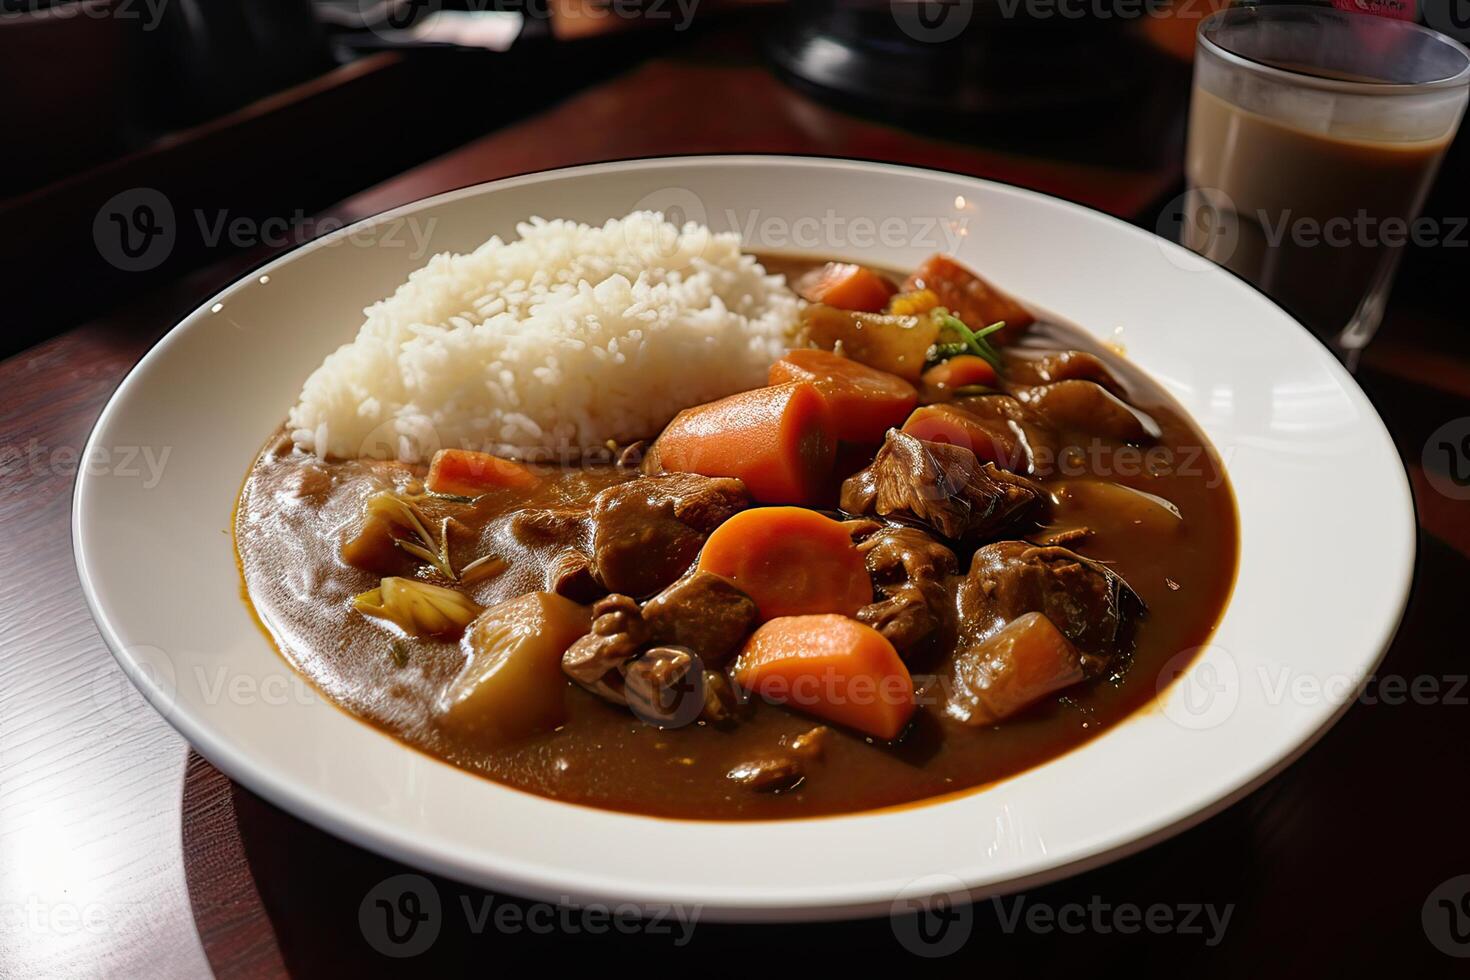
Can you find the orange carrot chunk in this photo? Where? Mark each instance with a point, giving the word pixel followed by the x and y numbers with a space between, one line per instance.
pixel 465 473
pixel 835 668
pixel 865 402
pixel 780 440
pixel 990 441
pixel 791 561
pixel 847 287
pixel 969 297
pixel 959 372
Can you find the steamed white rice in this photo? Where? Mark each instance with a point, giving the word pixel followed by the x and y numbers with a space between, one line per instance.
pixel 549 345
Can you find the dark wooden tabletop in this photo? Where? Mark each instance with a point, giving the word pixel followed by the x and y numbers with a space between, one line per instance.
pixel 121 853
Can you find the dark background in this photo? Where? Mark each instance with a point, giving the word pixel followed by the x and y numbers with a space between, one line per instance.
pixel 266 112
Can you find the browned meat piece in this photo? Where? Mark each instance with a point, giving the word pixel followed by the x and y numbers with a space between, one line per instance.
pixel 570 574
pixel 859 527
pixel 704 612
pixel 1091 605
pixel 811 744
pixel 1085 406
pixel 906 618
pixel 722 700
pixel 911 569
pixel 645 533
pixel 702 502
pixel 786 770
pixel 897 555
pixel 773 775
pixel 942 486
pixel 665 686
pixel 538 526
pixel 1043 367
pixel 597 660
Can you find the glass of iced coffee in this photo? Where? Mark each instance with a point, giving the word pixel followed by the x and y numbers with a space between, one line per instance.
pixel 1314 136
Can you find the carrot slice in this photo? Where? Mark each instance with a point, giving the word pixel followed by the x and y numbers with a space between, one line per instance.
pixel 791 561
pixel 969 297
pixel 960 371
pixel 780 440
pixel 952 424
pixel 847 287
pixel 835 668
pixel 865 402
pixel 465 473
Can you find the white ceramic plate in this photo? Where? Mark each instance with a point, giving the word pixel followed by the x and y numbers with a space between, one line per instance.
pixel 1326 552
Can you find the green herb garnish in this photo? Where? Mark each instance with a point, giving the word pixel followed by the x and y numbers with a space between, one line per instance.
pixel 974 340
pixel 398 650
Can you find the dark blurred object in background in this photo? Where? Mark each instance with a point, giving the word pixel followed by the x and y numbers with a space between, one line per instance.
pixel 205 57
pixel 217 129
pixel 63 69
pixel 985 69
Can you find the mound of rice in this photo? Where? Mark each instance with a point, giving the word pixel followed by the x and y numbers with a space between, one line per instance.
pixel 549 345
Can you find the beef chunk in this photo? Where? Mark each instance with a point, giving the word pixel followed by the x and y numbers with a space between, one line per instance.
pixel 598 660
pixel 665 686
pixel 906 618
pixel 912 570
pixel 1087 407
pixel 570 574
pixel 723 701
pixel 942 486
pixel 1091 605
pixel 644 534
pixel 1039 368
pixel 897 555
pixel 704 612
pixel 776 774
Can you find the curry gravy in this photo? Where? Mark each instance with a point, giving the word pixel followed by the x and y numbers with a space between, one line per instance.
pixel 294 510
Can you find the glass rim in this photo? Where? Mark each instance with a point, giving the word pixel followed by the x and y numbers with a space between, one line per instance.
pixel 1302 79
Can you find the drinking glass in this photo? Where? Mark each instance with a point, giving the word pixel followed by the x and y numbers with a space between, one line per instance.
pixel 1314 136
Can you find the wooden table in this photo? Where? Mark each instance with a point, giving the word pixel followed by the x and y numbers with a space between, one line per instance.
pixel 121 853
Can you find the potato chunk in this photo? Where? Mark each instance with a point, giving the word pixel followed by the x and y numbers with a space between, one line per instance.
pixel 896 344
pixel 1023 663
pixel 512 683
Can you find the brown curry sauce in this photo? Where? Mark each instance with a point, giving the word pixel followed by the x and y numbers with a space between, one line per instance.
pixel 294 509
